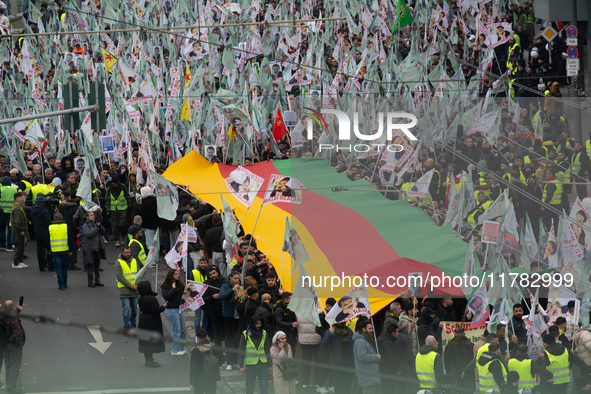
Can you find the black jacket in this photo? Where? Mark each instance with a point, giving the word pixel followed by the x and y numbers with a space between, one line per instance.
pixel 405 354
pixel 213 241
pixel 148 209
pixel 285 318
pixel 172 295
pixel 197 369
pixel 214 306
pixel 250 307
pixel 150 319
pixel 389 363
pixel 41 219
pixel 272 291
pixel 264 312
pixel 458 353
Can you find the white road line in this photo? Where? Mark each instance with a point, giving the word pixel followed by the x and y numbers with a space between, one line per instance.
pixel 123 391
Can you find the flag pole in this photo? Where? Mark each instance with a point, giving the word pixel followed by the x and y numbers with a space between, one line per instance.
pixel 249 243
pixel 374 336
pixel 281 274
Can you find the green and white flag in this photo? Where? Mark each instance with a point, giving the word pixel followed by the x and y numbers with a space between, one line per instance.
pixel 304 301
pixel 153 252
pixel 292 244
pixel 85 189
pixel 230 224
pixel 167 197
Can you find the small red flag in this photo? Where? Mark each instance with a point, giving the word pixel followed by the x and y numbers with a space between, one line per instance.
pixel 279 129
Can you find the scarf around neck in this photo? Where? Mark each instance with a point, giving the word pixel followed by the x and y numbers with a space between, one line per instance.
pixel 343 333
pixel 371 340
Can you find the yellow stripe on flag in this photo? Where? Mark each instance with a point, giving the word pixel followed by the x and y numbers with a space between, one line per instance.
pixel 188 77
pixel 110 60
pixel 186 113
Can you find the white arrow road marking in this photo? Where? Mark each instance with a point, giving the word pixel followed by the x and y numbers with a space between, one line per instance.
pixel 100 345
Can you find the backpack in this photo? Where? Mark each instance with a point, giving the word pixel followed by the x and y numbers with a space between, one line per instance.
pixel 211 364
pixel 290 369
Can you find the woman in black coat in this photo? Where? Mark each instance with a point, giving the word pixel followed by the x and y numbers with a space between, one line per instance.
pixel 150 320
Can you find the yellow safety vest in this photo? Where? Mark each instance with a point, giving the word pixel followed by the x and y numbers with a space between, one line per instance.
pixel 425 366
pixel 7 198
pixel 198 276
pixel 406 186
pixel 128 272
pixel 486 379
pixel 253 355
pixel 588 148
pixel 28 187
pixel 486 192
pixel 38 188
pixel 471 220
pixel 119 203
pixel 559 367
pixel 522 177
pixel 142 254
pixel 557 196
pixel 575 165
pixel 483 348
pixel 523 368
pixel 58 237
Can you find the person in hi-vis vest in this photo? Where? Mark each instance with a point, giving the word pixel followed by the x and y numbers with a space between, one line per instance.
pixel 58 242
pixel 558 359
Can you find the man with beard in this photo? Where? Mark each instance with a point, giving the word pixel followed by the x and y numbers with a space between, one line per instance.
pixel 214 304
pixel 67 166
pixel 254 354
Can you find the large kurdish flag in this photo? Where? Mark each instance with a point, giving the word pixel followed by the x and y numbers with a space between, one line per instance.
pixel 344 232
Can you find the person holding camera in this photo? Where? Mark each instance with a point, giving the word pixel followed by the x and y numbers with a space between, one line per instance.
pixel 13 346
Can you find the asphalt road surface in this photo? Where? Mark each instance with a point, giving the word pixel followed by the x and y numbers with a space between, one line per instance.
pixel 61 359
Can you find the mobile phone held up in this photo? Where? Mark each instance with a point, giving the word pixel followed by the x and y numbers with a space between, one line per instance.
pixel 21 300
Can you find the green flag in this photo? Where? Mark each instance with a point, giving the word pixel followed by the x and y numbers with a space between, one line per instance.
pixel 166 196
pixel 230 224
pixel 403 15
pixel 292 244
pixel 304 301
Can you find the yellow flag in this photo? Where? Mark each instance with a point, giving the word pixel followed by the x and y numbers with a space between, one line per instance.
pixel 110 60
pixel 186 113
pixel 232 132
pixel 188 76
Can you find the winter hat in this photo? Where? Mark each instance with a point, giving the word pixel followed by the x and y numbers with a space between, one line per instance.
pixel 278 335
pixel 549 339
pixel 266 296
pixel 56 181
pixel 6 181
pixel 514 174
pixel 14 171
pixel 482 164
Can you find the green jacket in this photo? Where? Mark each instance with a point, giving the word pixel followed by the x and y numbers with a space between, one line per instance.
pixel 18 220
pixel 125 292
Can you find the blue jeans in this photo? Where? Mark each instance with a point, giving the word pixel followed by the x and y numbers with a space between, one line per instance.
pixel 25 5
pixel 61 261
pixel 4 242
pixel 129 305
pixel 199 314
pixel 251 372
pixel 177 321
